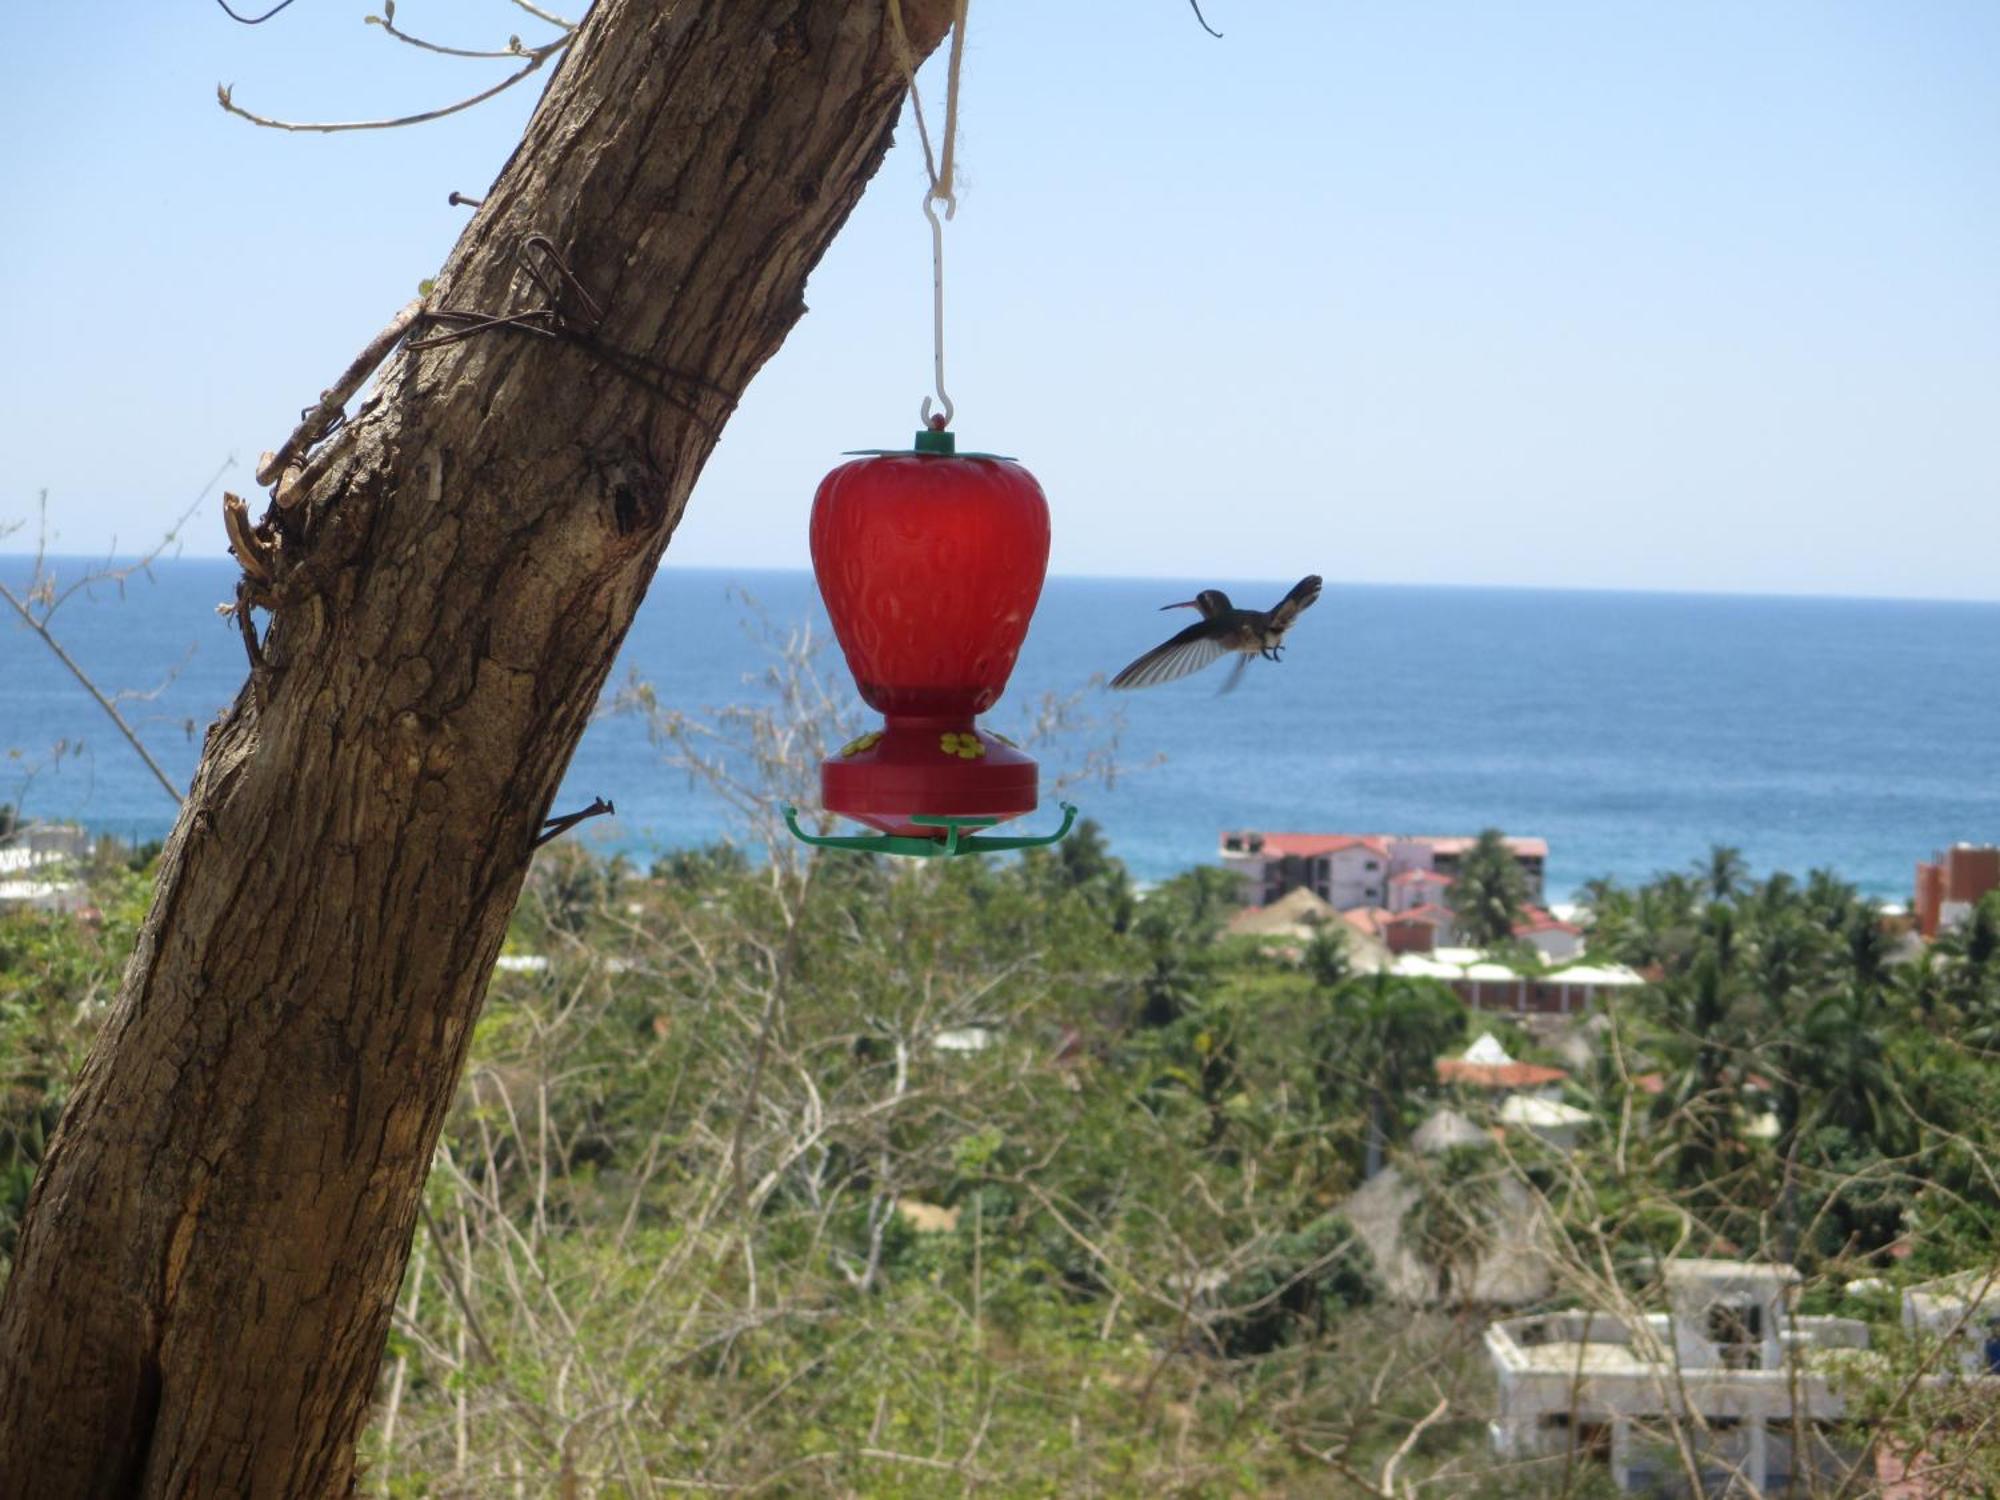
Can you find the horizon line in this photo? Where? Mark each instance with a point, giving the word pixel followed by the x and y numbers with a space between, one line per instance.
pixel 1459 586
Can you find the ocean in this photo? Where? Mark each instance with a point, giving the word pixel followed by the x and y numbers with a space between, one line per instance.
pixel 1629 730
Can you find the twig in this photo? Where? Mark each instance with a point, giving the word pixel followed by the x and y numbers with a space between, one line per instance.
pixel 387 21
pixel 49 640
pixel 248 627
pixel 1196 6
pixel 787 961
pixel 535 60
pixel 142 564
pixel 542 15
pixel 1410 1441
pixel 43 593
pixel 315 421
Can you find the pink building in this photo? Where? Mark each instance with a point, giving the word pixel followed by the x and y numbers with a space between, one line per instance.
pixel 1349 870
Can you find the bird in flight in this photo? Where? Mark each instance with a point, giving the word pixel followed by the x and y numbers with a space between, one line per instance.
pixel 1222 628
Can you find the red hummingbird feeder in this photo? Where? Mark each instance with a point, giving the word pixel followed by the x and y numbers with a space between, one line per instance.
pixel 930 562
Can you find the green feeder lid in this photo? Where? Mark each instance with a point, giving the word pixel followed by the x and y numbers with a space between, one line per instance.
pixel 931 442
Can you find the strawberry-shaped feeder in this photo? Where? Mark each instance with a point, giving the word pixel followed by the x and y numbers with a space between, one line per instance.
pixel 930 562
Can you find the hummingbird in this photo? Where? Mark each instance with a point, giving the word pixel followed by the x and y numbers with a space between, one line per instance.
pixel 1222 628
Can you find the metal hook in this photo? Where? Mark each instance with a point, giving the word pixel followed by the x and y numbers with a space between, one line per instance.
pixel 937 309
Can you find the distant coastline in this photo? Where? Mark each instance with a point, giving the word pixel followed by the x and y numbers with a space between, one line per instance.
pixel 20 556
pixel 1631 730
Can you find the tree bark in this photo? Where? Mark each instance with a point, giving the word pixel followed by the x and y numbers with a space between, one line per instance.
pixel 206 1271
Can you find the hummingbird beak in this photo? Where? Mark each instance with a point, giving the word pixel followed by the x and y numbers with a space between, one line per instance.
pixel 1184 604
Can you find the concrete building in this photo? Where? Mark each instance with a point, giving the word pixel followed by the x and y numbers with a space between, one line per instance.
pixel 1730 1350
pixel 1963 1310
pixel 1549 1120
pixel 1359 869
pixel 1950 884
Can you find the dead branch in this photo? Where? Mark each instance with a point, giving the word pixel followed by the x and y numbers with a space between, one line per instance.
pixel 319 417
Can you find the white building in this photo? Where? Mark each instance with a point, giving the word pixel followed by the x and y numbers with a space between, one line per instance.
pixel 35 868
pixel 1729 1365
pixel 1963 1309
pixel 1550 1120
pixel 1354 869
pixel 1557 941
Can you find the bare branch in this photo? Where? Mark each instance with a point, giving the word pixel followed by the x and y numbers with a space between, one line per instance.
pixel 131 737
pixel 543 15
pixel 39 605
pixel 316 419
pixel 536 57
pixel 388 24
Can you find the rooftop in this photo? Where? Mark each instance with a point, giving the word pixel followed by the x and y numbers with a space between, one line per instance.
pixel 1695 1268
pixel 1421 877
pixel 1541 1114
pixel 1486 1065
pixel 1534 919
pixel 1430 914
pixel 1312 845
pixel 1610 975
pixel 1288 915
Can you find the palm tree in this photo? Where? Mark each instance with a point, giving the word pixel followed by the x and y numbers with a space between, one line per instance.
pixel 1724 873
pixel 1829 899
pixel 1867 948
pixel 1662 931
pixel 1718 930
pixel 1612 909
pixel 1696 1012
pixel 1378 1045
pixel 1785 959
pixel 1327 958
pixel 1489 891
pixel 1973 953
pixel 1777 896
pixel 1176 929
pixel 1843 1062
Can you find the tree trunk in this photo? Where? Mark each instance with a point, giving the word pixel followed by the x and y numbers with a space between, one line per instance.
pixel 206 1270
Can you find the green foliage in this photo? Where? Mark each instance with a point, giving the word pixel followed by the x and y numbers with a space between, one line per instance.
pixel 57 979
pixel 1300 1284
pixel 1489 892
pixel 863 1176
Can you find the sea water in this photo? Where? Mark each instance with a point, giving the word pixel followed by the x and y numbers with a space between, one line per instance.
pixel 1630 730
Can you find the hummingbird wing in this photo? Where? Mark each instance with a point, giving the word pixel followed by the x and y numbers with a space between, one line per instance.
pixel 1294 604
pixel 1236 673
pixel 1190 651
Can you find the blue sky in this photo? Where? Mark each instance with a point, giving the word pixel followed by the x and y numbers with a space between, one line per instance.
pixel 1691 295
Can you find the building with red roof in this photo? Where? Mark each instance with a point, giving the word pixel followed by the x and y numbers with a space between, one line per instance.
pixel 1556 940
pixel 1349 870
pixel 1486 1065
